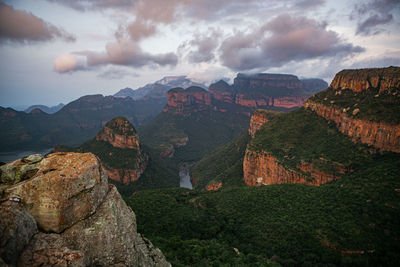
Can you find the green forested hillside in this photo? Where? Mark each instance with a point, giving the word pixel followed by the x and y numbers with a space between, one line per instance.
pixel 293 224
pixel 205 131
pixel 224 164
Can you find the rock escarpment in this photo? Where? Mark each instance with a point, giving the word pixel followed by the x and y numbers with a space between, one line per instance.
pixel 117 145
pixel 364 105
pixel 247 93
pixel 259 118
pixel 384 136
pixel 261 168
pixel 119 132
pixel 183 102
pixel 66 214
pixel 382 79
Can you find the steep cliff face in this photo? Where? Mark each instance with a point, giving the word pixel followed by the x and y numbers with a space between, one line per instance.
pixel 267 80
pixel 259 118
pixel 117 146
pixel 183 102
pixel 261 168
pixel 383 136
pixel 364 104
pixel 82 221
pixel 120 133
pixel 358 80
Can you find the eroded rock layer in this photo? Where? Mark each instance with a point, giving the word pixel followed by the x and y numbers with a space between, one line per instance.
pixel 363 79
pixel 383 136
pixel 261 168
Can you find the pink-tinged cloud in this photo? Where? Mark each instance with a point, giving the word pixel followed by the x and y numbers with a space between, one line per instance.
pixel 122 52
pixel 21 26
pixel 284 39
pixel 67 63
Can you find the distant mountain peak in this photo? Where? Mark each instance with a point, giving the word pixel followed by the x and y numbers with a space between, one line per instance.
pixel 159 88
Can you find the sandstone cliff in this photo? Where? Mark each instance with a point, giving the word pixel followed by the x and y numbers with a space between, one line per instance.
pixel 358 80
pixel 60 211
pixel 259 118
pixel 364 104
pixel 383 136
pixel 117 145
pixel 119 132
pixel 183 102
pixel 247 93
pixel 261 168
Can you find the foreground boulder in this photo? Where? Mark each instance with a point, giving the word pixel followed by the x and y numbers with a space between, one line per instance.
pixel 66 214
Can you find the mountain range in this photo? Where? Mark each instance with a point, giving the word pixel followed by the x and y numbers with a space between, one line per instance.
pixel 46 109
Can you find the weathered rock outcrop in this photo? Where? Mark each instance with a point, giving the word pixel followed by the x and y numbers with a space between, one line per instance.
pixel 65 189
pixel 119 132
pixel 261 168
pixel 383 136
pixel 363 79
pixel 183 102
pixel 259 118
pixel 214 186
pixel 83 221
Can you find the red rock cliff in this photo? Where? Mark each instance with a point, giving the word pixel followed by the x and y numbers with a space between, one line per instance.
pixel 120 133
pixel 383 136
pixel 359 80
pixel 124 137
pixel 260 168
pixel 259 118
pixel 183 102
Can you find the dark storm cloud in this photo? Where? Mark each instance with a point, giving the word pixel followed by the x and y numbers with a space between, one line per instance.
pixel 20 26
pixel 283 39
pixel 122 52
pixel 372 14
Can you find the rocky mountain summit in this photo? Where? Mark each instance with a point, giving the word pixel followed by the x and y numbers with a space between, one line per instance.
pixel 157 89
pixel 60 210
pixel 117 145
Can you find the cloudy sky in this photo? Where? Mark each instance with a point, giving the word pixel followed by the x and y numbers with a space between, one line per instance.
pixel 55 51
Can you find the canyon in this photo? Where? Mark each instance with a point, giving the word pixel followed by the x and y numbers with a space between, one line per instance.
pixel 60 210
pixel 262 167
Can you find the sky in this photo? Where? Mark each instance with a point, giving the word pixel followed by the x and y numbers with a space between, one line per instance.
pixel 54 51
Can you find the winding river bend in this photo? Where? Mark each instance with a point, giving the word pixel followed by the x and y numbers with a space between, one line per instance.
pixel 184 174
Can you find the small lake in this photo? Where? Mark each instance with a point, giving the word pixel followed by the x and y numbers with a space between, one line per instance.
pixel 13 155
pixel 184 174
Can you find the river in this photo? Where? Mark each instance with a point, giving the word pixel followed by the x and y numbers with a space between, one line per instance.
pixel 13 155
pixel 184 174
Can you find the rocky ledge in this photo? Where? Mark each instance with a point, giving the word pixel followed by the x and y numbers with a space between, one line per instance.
pixel 60 211
pixel 363 79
